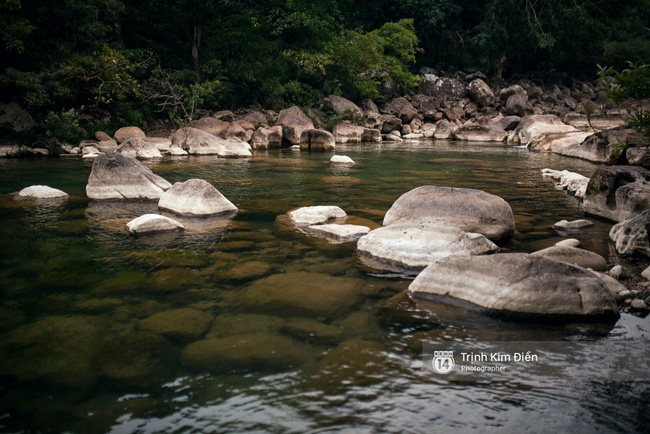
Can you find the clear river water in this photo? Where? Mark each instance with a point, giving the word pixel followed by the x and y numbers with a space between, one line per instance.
pixel 105 332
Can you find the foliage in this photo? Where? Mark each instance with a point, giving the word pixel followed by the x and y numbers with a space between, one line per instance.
pixel 631 83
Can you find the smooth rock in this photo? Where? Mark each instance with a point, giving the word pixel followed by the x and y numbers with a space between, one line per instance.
pixel 576 145
pixel 573 255
pixel 618 192
pixel 317 140
pixel 183 324
pixel 153 223
pixel 195 197
pixel 313 295
pixel 412 244
pixel 466 209
pixel 126 133
pixel 245 352
pixel 569 242
pixel 314 215
pixel 197 142
pixel 534 126
pixel 42 192
pixel 618 272
pixel 293 122
pixel 565 225
pixel 338 233
pixel 481 92
pixel 342 160
pixel 519 284
pixel 138 148
pixel 214 126
pixel 115 176
pixel 630 237
pixel 339 105
pixel 347 132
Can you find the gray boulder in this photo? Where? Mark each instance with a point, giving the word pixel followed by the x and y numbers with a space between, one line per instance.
pixel 466 209
pixel 631 236
pixel 444 129
pixel 442 88
pixel 18 118
pixel 213 126
pixel 481 92
pixel 338 233
pixel 401 108
pixel 267 138
pixel 339 105
pixel 413 244
pixel 138 148
pixel 483 131
pixel 197 142
pixel 314 215
pixel 390 123
pixel 153 223
pixel 115 176
pixel 574 183
pixel 573 255
pixel 126 133
pixel 521 285
pixel 347 132
pixel 534 126
pixel 294 122
pixel 317 140
pixel 195 197
pixel 618 192
pixel 518 104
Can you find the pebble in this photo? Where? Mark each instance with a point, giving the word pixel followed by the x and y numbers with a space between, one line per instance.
pixel 638 304
pixel 619 273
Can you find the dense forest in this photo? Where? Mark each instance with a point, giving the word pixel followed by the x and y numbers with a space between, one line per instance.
pixel 116 62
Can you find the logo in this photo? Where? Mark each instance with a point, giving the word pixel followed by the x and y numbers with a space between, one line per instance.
pixel 443 362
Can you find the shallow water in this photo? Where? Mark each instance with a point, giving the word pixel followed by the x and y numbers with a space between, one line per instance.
pixel 243 324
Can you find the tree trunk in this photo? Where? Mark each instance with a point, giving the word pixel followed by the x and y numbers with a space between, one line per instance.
pixel 196 43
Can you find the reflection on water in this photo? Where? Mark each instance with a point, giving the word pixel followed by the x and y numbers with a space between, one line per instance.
pixel 244 324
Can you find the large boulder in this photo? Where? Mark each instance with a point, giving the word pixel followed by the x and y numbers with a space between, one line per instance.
pixel 444 129
pixel 521 285
pixel 347 132
pixel 267 138
pixel 15 116
pixel 571 145
pixel 138 148
pixel 401 108
pixel 607 146
pixel 213 126
pixel 464 208
pixel 533 127
pixel 631 236
pixel 195 197
pixel 341 106
pixel 481 92
pixel 317 140
pixel 443 89
pixel 484 130
pixel 153 223
pixel 618 192
pixel 41 192
pixel 293 122
pixel 518 104
pixel 197 142
pixel 233 148
pixel 115 176
pixel 126 133
pixel 411 245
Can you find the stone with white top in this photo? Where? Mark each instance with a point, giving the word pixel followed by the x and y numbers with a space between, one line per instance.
pixel 153 223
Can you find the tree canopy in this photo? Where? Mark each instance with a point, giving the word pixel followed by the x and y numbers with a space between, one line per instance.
pixel 126 60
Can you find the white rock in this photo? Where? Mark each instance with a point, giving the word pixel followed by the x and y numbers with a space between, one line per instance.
pixel 340 233
pixel 42 192
pixel 177 152
pixel 570 181
pixel 565 225
pixel 412 245
pixel 152 223
pixel 570 242
pixel 314 215
pixel 195 197
pixel 342 160
pixel 573 255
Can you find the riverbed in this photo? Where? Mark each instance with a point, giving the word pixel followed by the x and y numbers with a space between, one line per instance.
pixel 101 331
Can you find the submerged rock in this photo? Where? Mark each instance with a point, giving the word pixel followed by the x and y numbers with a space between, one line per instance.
pixel 41 192
pixel 466 209
pixel 338 233
pixel 183 324
pixel 342 160
pixel 115 176
pixel 565 225
pixel 412 245
pixel 246 352
pixel 618 192
pixel 153 223
pixel 521 285
pixel 195 197
pixel 313 295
